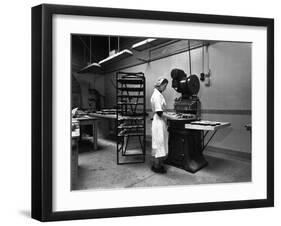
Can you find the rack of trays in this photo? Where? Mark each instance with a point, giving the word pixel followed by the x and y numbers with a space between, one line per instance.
pixel 131 115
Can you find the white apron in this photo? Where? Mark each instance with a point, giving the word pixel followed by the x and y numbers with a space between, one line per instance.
pixel 159 127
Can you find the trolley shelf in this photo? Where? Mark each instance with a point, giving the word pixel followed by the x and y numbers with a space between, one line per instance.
pixel 130 81
pixel 133 89
pixel 130 96
pixel 131 114
pixel 130 134
pixel 130 127
pixel 129 103
pixel 122 118
pixel 130 117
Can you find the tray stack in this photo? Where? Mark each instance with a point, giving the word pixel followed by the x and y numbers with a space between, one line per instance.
pixel 130 117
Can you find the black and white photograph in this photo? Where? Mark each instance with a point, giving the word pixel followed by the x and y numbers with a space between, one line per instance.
pixel 156 111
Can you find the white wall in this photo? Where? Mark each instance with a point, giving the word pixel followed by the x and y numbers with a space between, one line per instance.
pixel 230 65
pixel 15 104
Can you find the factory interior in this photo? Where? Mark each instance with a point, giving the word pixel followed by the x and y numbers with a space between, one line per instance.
pixel 208 100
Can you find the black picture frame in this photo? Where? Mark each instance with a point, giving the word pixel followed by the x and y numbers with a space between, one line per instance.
pixel 42 111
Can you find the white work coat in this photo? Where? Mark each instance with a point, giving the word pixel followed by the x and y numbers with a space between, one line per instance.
pixel 159 127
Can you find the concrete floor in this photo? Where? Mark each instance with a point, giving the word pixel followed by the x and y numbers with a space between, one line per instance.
pixel 98 170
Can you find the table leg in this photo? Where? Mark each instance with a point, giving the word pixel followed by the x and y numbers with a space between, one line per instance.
pixel 95 137
pixel 74 162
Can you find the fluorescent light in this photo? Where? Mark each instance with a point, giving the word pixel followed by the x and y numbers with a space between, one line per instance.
pixel 142 43
pixel 91 68
pixel 116 57
pixel 148 43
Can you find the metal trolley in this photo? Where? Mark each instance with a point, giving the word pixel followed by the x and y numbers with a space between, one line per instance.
pixel 131 117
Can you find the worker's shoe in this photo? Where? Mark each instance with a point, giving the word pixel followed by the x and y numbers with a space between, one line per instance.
pixel 163 169
pixel 158 170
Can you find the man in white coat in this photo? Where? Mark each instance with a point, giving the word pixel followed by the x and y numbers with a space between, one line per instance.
pixel 159 126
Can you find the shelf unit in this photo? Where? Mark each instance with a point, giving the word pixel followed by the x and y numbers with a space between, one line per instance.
pixel 130 101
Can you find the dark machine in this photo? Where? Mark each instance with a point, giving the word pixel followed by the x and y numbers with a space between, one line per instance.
pixel 185 145
pixel 188 104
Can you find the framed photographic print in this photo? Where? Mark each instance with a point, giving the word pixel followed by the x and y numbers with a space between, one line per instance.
pixel 145 112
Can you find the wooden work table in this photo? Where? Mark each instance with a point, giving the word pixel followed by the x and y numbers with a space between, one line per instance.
pixel 75 134
pixel 89 120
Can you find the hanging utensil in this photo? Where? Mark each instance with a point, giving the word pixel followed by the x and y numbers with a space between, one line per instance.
pixel 208 75
pixel 189 57
pixel 202 75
